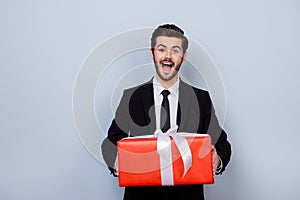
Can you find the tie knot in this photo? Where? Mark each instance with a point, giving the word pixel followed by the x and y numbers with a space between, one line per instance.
pixel 165 93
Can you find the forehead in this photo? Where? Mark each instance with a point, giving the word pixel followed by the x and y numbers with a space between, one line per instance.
pixel 169 41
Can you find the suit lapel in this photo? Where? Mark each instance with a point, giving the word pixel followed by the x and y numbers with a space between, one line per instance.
pixel 148 104
pixel 184 99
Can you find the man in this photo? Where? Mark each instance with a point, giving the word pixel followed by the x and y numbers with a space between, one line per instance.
pixel 162 103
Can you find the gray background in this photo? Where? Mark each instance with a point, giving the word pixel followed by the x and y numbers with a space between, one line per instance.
pixel 255 45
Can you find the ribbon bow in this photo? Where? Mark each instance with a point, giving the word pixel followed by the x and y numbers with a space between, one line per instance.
pixel 165 153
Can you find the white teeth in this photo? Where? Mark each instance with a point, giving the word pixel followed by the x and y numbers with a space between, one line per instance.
pixel 168 64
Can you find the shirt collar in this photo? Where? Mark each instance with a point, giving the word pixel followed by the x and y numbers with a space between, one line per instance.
pixel 158 88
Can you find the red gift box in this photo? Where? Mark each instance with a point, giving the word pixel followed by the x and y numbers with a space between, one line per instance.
pixel 139 163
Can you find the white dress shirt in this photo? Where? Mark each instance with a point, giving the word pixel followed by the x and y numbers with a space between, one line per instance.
pixel 173 101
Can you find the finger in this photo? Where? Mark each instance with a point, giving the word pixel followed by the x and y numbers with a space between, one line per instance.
pixel 213 148
pixel 213 158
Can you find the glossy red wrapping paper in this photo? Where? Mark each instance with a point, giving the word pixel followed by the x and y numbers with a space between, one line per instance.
pixel 139 162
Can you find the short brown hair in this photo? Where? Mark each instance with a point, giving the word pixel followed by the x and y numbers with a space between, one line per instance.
pixel 169 30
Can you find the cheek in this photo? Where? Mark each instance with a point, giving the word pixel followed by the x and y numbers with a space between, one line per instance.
pixel 178 60
pixel 158 58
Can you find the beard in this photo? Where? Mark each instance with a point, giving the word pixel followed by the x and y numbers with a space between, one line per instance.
pixel 161 74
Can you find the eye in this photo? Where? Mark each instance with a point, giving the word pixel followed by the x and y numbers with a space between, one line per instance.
pixel 175 51
pixel 161 49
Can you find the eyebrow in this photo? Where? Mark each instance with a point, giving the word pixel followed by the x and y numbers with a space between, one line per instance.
pixel 173 47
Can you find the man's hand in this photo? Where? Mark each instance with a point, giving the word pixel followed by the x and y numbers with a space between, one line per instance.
pixel 215 159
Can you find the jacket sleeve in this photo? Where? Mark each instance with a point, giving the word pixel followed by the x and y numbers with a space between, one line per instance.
pixel 218 135
pixel 118 129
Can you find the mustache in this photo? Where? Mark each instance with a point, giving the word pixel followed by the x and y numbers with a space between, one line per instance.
pixel 166 60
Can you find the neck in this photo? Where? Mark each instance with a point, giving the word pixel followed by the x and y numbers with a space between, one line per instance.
pixel 167 84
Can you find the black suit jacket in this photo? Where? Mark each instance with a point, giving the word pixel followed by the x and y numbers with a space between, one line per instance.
pixel 135 116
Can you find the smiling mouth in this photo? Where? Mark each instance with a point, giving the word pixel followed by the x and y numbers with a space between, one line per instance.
pixel 167 65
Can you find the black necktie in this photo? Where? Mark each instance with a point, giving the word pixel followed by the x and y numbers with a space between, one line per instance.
pixel 165 112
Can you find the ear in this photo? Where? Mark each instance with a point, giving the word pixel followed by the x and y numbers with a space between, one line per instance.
pixel 151 54
pixel 184 56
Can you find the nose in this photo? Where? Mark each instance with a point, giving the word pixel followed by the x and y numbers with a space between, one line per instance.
pixel 168 54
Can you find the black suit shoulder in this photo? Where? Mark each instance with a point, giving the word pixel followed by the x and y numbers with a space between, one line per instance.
pixel 203 97
pixel 201 93
pixel 139 88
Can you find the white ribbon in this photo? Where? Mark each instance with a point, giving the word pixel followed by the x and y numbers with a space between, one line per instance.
pixel 165 154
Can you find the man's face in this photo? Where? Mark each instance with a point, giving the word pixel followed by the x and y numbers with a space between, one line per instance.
pixel 168 56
